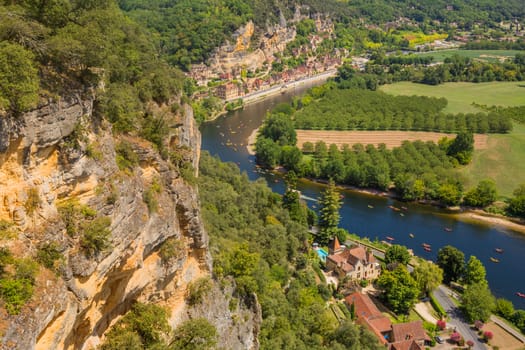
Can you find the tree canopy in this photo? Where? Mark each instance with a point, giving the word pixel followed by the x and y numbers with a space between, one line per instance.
pixel 19 82
pixel 452 261
pixel 428 276
pixel 400 290
pixel 475 272
pixel 478 302
pixel 397 254
pixel 329 216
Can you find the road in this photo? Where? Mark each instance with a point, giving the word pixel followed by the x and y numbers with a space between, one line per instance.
pixel 457 320
pixel 277 89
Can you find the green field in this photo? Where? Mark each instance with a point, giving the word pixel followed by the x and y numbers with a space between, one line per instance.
pixel 502 161
pixel 461 95
pixel 484 55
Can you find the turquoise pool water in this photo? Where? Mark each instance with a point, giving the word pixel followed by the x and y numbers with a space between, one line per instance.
pixel 322 254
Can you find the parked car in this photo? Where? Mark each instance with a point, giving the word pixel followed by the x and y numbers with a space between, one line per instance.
pixel 439 339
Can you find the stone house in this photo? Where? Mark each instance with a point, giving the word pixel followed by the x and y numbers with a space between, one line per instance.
pixel 229 91
pixel 355 262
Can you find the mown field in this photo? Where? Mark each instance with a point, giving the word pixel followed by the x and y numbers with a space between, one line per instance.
pixel 460 96
pixel 390 138
pixel 503 160
pixel 485 55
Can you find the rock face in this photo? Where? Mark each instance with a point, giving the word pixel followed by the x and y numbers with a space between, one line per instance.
pixel 46 151
pixel 249 53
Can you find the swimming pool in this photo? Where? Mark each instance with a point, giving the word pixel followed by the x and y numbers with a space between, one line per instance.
pixel 322 254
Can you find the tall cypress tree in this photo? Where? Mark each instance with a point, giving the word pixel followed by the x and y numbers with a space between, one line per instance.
pixel 330 203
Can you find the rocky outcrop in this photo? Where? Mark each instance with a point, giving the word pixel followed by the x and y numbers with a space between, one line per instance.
pixel 250 52
pixel 46 150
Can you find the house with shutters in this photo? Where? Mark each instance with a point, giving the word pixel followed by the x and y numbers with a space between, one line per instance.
pixel 355 262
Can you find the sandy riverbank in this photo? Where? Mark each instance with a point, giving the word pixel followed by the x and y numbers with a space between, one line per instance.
pixel 250 145
pixel 491 220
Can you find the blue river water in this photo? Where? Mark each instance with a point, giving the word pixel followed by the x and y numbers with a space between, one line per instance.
pixel 370 216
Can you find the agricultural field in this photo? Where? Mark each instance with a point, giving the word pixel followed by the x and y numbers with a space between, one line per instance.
pixel 390 138
pixel 460 96
pixel 501 160
pixel 484 55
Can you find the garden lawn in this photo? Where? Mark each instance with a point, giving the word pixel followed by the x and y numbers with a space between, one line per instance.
pixel 503 161
pixel 460 96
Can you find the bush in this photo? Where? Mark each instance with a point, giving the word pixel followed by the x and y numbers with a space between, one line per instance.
pixel 15 293
pixel 47 254
pixel 172 248
pixel 126 157
pixel 73 214
pixel 441 324
pixel 26 269
pixel 488 335
pixel 7 230
pixel 96 236
pixel 150 196
pixel 197 290
pixel 455 337
pixel 478 324
pixel 435 304
pixel 145 326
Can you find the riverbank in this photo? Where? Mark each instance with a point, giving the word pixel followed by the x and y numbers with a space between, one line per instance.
pixel 468 215
pixel 259 96
pixel 250 144
pixel 493 220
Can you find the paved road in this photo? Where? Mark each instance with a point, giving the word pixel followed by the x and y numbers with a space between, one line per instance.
pixel 457 320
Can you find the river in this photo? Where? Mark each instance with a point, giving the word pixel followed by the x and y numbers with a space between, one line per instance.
pixel 370 216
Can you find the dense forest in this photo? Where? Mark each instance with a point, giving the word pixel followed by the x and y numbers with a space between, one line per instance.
pixel 189 31
pixel 254 240
pixel 465 14
pixel 63 47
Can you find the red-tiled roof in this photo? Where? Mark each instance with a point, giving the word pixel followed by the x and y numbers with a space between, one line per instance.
pixel 369 315
pixel 409 331
pixel 381 323
pixel 406 345
pixel 363 305
pixel 334 245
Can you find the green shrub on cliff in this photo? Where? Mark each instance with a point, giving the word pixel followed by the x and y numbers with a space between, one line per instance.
pixel 19 83
pixel 17 280
pixel 145 326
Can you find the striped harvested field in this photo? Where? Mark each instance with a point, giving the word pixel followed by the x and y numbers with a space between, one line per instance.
pixel 390 138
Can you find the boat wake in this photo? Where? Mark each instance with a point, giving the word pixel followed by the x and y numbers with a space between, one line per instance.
pixel 308 198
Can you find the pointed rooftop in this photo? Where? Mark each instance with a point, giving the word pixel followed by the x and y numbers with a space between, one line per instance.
pixel 334 246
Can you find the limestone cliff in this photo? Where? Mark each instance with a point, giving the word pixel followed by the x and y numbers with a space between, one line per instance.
pixel 60 152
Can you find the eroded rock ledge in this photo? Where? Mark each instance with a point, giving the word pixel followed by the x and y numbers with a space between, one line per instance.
pixel 72 309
